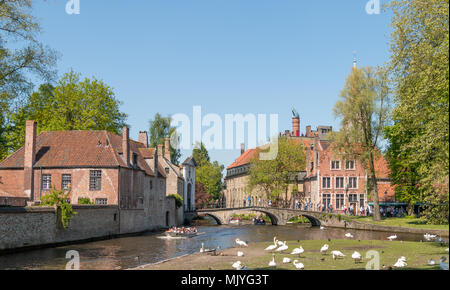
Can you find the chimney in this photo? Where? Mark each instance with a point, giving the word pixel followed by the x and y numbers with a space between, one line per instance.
pixel 29 158
pixel 308 131
pixel 160 150
pixel 126 145
pixel 242 148
pixel 167 148
pixel 296 126
pixel 155 162
pixel 143 138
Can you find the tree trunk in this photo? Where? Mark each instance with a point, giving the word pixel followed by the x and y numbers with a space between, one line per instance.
pixel 376 202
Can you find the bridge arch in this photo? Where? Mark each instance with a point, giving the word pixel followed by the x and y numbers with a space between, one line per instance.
pixel 215 217
pixel 315 222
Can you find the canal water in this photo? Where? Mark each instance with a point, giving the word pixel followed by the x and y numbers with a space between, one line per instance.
pixel 129 252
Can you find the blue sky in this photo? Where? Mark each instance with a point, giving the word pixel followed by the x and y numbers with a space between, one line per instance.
pixel 229 56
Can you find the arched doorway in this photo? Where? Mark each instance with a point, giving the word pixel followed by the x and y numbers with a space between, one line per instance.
pixel 189 197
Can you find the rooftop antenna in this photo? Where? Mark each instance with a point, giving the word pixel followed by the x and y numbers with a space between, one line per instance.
pixel 354 59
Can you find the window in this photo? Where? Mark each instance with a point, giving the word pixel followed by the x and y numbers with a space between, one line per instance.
pixel 312 166
pixel 95 180
pixel 135 160
pixel 361 200
pixel 350 165
pixel 67 200
pixel 65 181
pixel 326 199
pixel 101 201
pixel 339 182
pixel 352 182
pixel 353 198
pixel 339 200
pixel 46 181
pixel 326 182
pixel 335 165
pixel 151 184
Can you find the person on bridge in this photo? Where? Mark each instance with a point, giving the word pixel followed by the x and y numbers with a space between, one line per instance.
pixel 249 201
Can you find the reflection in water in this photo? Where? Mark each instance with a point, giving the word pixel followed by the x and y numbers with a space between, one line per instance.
pixel 148 248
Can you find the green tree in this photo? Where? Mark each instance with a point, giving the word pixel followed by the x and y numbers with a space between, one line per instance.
pixel 208 175
pixel 274 176
pixel 159 130
pixel 420 73
pixel 364 112
pixel 200 154
pixel 59 199
pixel 22 58
pixel 71 105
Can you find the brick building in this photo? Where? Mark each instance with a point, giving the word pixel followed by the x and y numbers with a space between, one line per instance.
pixel 327 178
pixel 106 168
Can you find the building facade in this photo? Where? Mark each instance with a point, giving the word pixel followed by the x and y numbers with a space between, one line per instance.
pixel 98 166
pixel 327 179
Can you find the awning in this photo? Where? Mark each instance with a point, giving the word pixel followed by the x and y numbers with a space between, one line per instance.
pixel 391 203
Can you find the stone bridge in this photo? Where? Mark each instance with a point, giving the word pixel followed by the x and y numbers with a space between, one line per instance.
pixel 278 216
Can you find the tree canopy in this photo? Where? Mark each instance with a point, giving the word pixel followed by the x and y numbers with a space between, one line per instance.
pixel 159 130
pixel 72 104
pixel 364 112
pixel 273 177
pixel 419 137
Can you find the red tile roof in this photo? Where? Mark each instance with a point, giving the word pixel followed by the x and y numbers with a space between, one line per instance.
pixel 244 158
pixel 59 149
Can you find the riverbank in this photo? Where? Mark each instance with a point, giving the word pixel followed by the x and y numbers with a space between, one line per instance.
pixel 256 257
pixel 406 222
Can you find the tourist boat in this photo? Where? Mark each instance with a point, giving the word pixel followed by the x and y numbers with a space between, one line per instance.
pixel 180 233
pixel 259 222
pixel 235 221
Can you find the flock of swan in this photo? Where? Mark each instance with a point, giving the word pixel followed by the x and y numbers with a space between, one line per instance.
pixel 281 247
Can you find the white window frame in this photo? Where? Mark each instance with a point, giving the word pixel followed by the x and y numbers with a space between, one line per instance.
pixel 323 177
pixel 357 182
pixel 331 164
pixel 354 165
pixel 343 182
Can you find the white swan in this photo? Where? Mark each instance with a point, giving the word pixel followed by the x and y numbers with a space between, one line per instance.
pixel 202 249
pixel 298 265
pixel 431 262
pixel 322 228
pixel 272 247
pixel 337 254
pixel 237 265
pixel 446 250
pixel 357 257
pixel 280 243
pixel 241 243
pixel 349 235
pixel 286 260
pixel 283 248
pixel 444 266
pixel 298 251
pixel 391 238
pixel 240 254
pixel 324 249
pixel 272 262
pixel 429 237
pixel 400 264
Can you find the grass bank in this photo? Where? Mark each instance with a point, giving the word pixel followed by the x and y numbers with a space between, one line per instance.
pixel 407 222
pixel 417 255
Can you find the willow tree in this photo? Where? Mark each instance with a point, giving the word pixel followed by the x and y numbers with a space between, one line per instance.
pixel 420 71
pixel 273 177
pixel 364 112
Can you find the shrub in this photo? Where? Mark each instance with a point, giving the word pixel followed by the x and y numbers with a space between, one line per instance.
pixel 59 198
pixel 85 200
pixel 178 200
